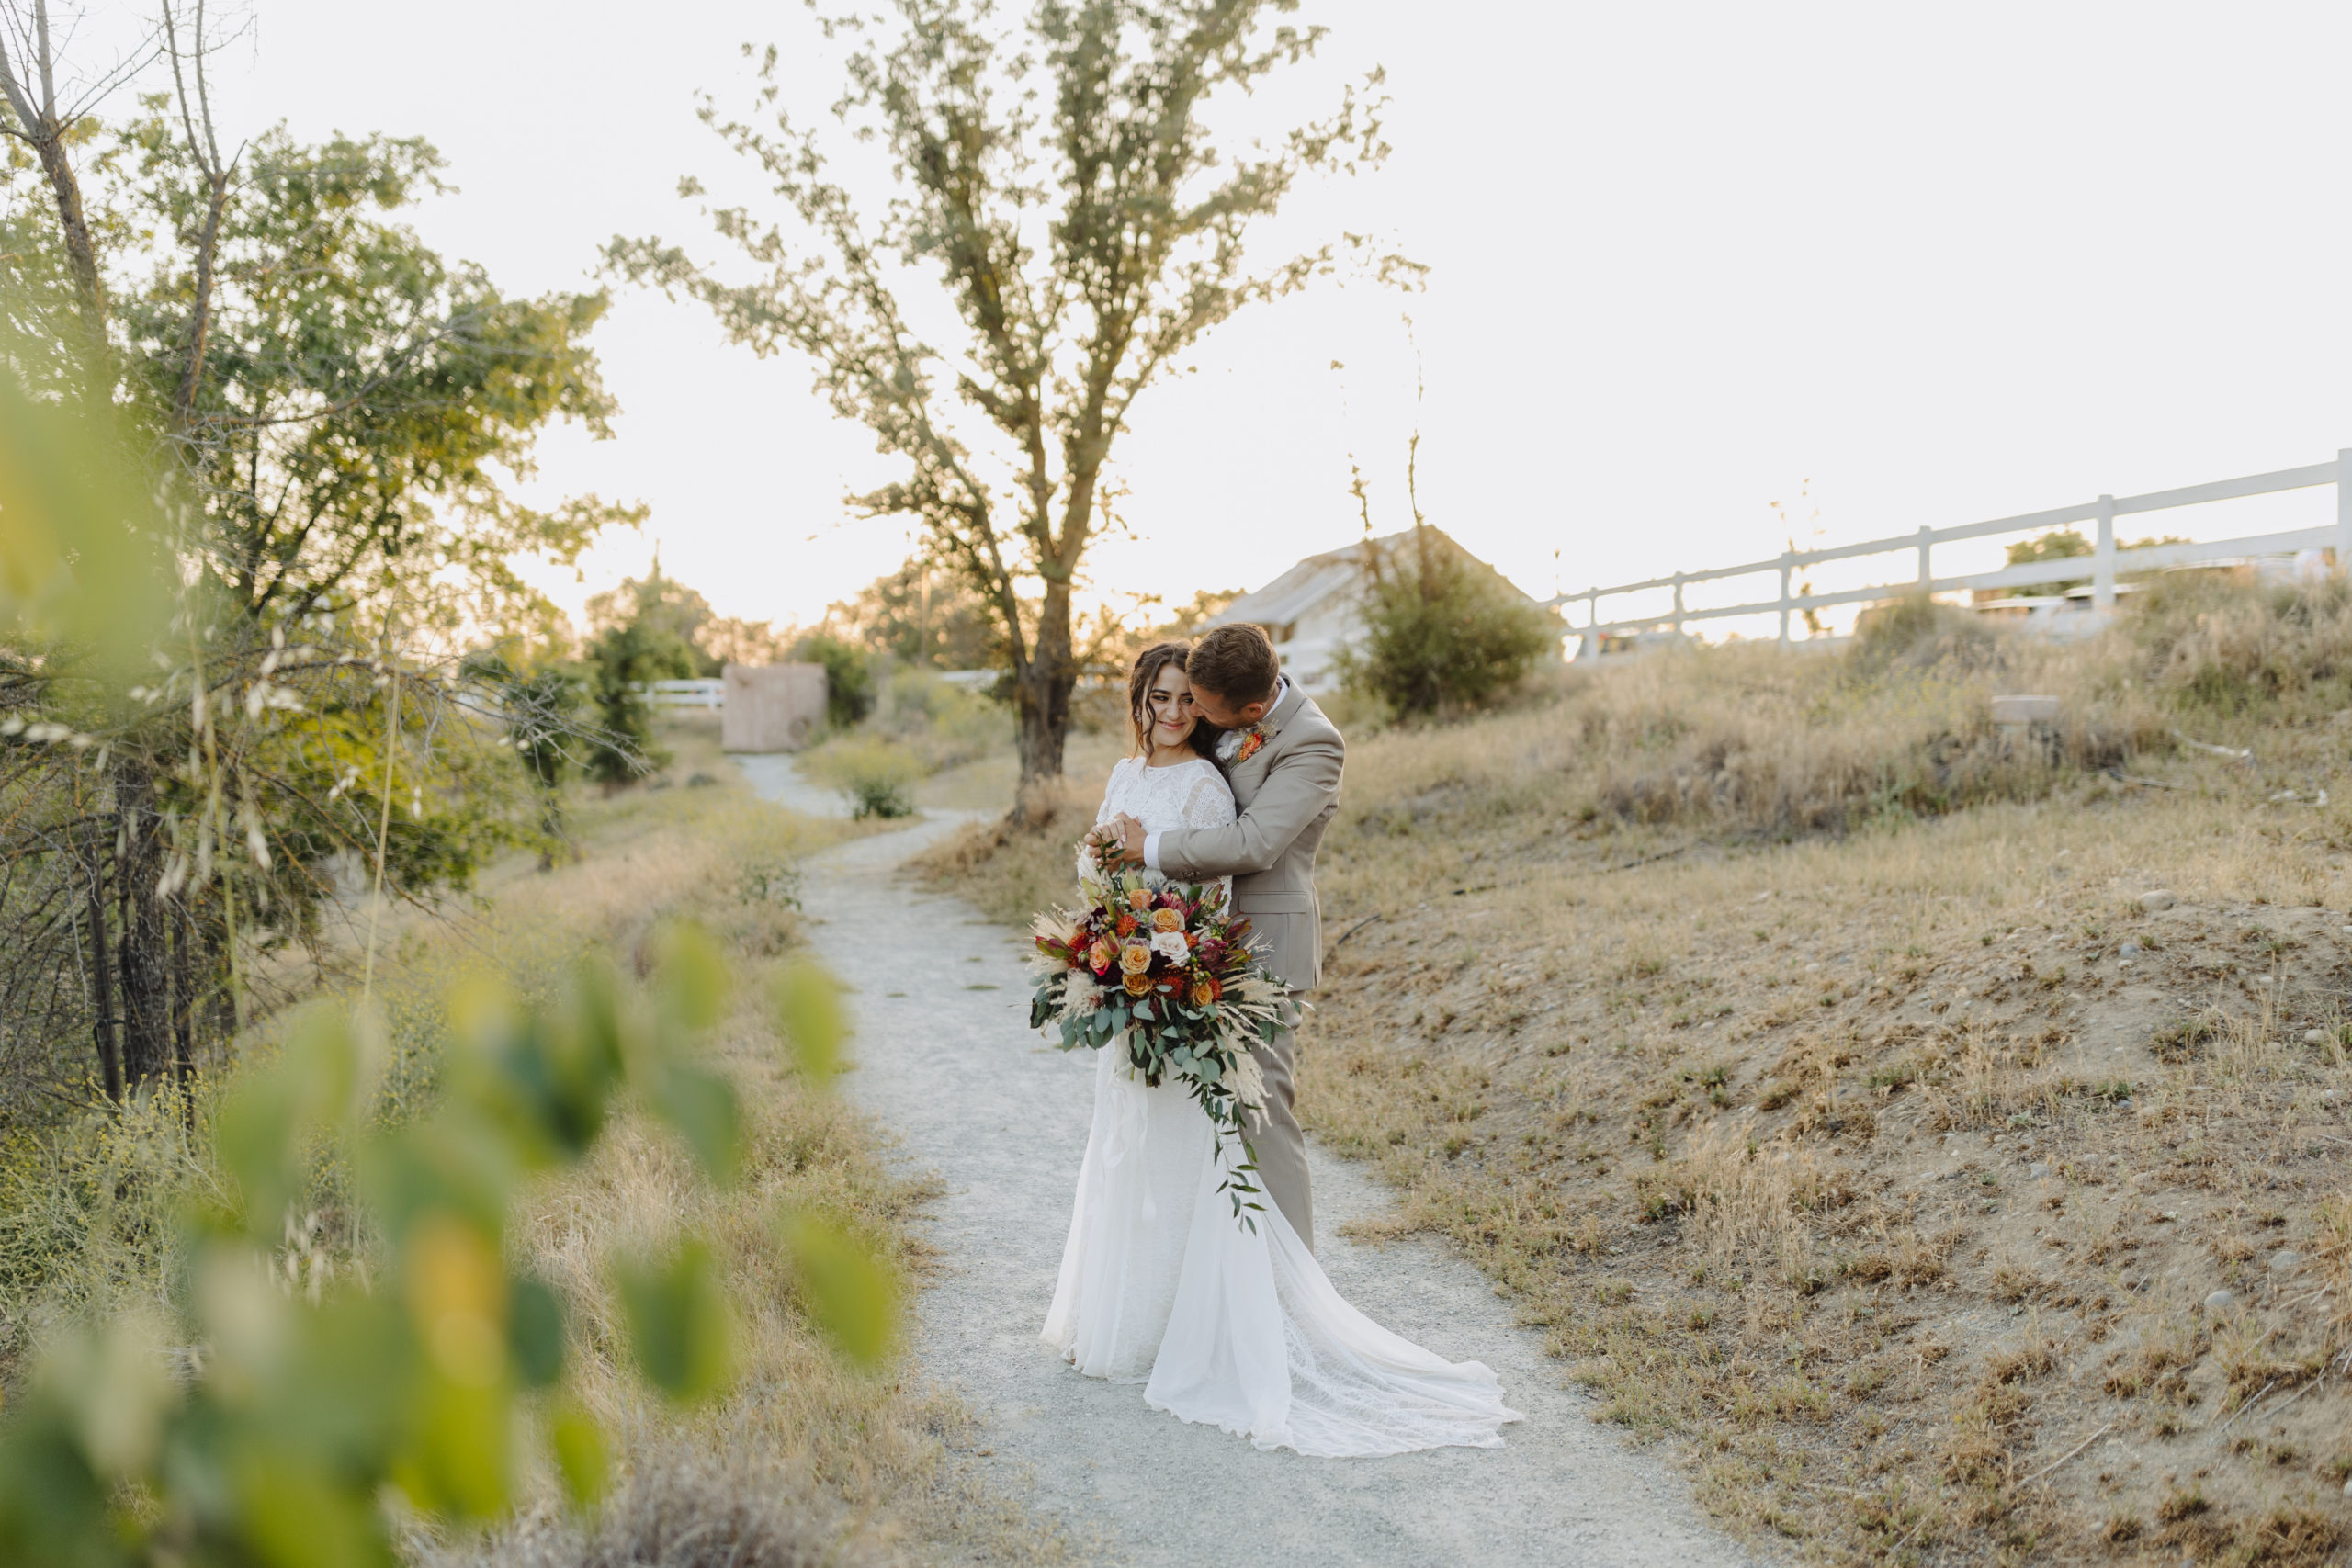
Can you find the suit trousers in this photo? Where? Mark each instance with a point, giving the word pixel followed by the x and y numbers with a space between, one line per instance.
pixel 1277 1142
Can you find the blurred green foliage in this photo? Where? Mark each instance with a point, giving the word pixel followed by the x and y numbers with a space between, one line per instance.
pixel 273 1438
pixel 849 676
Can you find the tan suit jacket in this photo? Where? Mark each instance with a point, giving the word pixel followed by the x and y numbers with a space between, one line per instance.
pixel 1287 792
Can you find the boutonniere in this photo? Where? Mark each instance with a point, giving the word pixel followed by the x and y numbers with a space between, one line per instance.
pixel 1252 738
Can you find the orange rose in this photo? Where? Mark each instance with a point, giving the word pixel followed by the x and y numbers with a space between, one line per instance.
pixel 1102 955
pixel 1137 985
pixel 1201 994
pixel 1167 921
pixel 1134 958
pixel 1138 899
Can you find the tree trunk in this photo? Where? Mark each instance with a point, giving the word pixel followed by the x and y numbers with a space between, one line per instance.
pixel 82 258
pixel 1042 708
pixel 217 994
pixel 199 330
pixel 186 987
pixel 143 967
pixel 102 1021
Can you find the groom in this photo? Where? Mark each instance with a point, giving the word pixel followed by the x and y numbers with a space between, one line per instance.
pixel 1282 758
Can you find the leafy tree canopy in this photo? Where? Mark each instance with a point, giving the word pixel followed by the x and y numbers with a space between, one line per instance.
pixel 1061 185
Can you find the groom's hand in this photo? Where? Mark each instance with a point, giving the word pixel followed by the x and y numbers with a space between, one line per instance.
pixel 1130 839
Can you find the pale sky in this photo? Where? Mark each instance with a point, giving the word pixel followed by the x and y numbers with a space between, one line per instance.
pixel 1929 265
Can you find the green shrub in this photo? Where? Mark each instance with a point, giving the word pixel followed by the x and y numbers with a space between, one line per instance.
pixel 2214 646
pixel 944 725
pixel 1442 632
pixel 621 661
pixel 1916 633
pixel 878 777
pixel 849 676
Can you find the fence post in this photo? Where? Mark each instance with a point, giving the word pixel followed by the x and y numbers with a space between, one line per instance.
pixel 2344 509
pixel 1787 561
pixel 1926 577
pixel 2103 557
pixel 1678 606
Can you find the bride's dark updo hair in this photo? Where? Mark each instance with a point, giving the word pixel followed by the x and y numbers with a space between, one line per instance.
pixel 1148 666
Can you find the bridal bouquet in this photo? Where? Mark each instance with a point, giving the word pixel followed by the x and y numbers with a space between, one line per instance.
pixel 1164 974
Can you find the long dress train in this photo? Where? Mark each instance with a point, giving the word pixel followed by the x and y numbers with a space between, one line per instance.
pixel 1222 1325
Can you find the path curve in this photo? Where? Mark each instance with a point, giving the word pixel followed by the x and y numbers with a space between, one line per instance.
pixel 943 1060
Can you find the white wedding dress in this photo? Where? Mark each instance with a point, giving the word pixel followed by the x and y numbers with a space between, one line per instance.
pixel 1237 1328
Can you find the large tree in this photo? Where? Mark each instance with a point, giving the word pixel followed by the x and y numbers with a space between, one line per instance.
pixel 1060 180
pixel 318 418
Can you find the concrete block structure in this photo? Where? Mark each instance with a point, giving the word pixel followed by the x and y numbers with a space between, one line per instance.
pixel 771 707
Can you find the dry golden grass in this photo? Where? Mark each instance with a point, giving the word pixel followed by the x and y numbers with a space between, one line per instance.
pixel 1763 1024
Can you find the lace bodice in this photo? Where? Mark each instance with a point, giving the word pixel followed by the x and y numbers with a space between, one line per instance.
pixel 1188 794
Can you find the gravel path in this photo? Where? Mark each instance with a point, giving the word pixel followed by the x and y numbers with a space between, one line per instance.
pixel 943 1059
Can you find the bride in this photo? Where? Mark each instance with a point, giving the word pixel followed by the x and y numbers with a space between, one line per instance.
pixel 1223 1324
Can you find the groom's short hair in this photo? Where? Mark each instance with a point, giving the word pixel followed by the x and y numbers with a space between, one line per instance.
pixel 1236 662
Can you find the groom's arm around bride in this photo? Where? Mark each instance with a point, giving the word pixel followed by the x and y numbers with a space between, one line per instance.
pixel 1284 759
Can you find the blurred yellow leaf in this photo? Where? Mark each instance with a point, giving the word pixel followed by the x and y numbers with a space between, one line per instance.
pixel 459 1461
pixel 455 1290
pixel 535 1333
pixel 809 1014
pixel 118 1388
pixel 264 1126
pixel 692 978
pixel 702 1106
pixel 294 1513
pixel 77 554
pixel 679 1328
pixel 850 1294
pixel 579 1454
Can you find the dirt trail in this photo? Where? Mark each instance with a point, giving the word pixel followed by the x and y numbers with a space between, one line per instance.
pixel 944 1058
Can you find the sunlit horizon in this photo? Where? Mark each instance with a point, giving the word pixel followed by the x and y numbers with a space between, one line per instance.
pixel 1881 269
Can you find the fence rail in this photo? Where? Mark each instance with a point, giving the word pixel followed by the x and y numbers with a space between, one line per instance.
pixel 2104 563
pixel 709 693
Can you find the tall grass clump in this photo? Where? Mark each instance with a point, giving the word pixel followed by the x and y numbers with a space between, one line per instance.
pixel 878 777
pixel 943 724
pixel 1747 740
pixel 2212 647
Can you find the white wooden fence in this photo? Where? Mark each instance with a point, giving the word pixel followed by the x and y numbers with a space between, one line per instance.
pixel 708 693
pixel 2104 563
pixel 712 693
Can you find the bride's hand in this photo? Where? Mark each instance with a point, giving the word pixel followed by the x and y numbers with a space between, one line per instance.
pixel 1130 841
